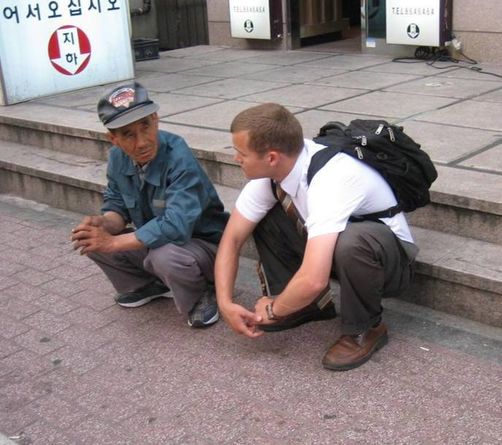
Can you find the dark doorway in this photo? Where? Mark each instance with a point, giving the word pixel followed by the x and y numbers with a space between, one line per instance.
pixel 315 22
pixel 182 23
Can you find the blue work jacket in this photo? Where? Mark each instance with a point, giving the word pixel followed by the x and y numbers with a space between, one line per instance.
pixel 178 194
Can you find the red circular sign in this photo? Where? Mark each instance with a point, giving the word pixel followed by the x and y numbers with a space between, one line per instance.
pixel 69 50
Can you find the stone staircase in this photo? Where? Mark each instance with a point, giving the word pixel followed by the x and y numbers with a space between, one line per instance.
pixel 460 233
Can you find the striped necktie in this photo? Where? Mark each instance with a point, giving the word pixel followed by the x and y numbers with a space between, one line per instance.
pixel 290 209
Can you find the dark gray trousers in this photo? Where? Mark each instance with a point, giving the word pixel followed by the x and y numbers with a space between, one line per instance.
pixel 369 263
pixel 186 269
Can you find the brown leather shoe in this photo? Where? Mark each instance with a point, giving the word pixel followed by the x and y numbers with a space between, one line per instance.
pixel 351 351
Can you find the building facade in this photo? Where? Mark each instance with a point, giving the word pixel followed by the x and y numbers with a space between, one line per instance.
pixel 476 25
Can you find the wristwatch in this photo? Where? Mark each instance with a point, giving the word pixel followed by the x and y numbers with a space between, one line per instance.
pixel 269 308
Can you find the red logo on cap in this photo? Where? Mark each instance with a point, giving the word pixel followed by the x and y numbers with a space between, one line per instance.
pixel 122 98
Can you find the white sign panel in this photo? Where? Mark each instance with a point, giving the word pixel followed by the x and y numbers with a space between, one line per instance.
pixel 53 46
pixel 250 19
pixel 413 22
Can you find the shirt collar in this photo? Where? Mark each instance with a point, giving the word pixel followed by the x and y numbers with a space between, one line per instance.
pixel 291 182
pixel 152 170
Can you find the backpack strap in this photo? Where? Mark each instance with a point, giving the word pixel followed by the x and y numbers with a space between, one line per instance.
pixel 320 159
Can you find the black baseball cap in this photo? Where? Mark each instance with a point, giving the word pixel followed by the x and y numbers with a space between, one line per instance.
pixel 124 105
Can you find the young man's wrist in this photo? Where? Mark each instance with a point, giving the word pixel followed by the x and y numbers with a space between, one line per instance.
pixel 271 315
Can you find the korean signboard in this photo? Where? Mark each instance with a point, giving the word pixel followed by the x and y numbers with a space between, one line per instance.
pixel 255 19
pixel 53 46
pixel 416 22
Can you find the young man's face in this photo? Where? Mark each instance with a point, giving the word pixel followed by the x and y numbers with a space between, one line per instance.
pixel 139 139
pixel 254 165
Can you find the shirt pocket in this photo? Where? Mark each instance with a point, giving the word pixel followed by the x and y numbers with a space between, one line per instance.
pixel 129 201
pixel 132 208
pixel 159 206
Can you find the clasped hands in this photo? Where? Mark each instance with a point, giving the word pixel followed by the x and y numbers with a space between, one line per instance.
pixel 90 236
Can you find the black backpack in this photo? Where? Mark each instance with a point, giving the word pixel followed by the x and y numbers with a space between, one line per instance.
pixel 408 170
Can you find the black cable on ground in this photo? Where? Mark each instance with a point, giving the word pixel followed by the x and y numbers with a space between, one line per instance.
pixel 425 54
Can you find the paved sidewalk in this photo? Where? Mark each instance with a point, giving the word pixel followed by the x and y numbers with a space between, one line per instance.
pixel 77 369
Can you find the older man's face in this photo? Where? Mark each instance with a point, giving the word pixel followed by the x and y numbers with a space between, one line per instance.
pixel 138 140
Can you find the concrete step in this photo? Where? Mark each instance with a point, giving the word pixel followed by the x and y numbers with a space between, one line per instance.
pixel 456 274
pixel 463 202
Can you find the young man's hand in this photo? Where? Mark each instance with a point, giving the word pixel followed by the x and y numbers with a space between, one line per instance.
pixel 241 320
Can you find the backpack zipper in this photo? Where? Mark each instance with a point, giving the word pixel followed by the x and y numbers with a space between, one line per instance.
pixel 379 129
pixel 391 134
pixel 359 152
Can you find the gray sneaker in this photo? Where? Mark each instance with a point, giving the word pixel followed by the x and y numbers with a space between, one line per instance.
pixel 143 295
pixel 205 312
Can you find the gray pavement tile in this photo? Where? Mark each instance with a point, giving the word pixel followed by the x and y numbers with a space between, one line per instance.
pixel 364 80
pixel 282 57
pixel 6 283
pixel 76 361
pixel 71 272
pixel 170 64
pixel 392 105
pixel 9 269
pixel 38 341
pixel 12 328
pixel 488 160
pixel 445 87
pixel 8 347
pixel 63 288
pixel 190 51
pixel 80 98
pixel 43 433
pixel 97 300
pixel 108 407
pixel 54 304
pixel 62 382
pixel 306 96
pixel 447 143
pixel 229 69
pixel 291 74
pixel 15 421
pixel 229 88
pixel 17 307
pixel 32 259
pixel 413 68
pixel 175 103
pixel 217 116
pixel 83 339
pixel 33 277
pixel 172 82
pixel 17 372
pixel 494 96
pixel 23 291
pixel 469 114
pixel 210 140
pixel 348 61
pixel 46 322
pixel 481 71
pixel 225 55
pixel 87 317
pixel 60 413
